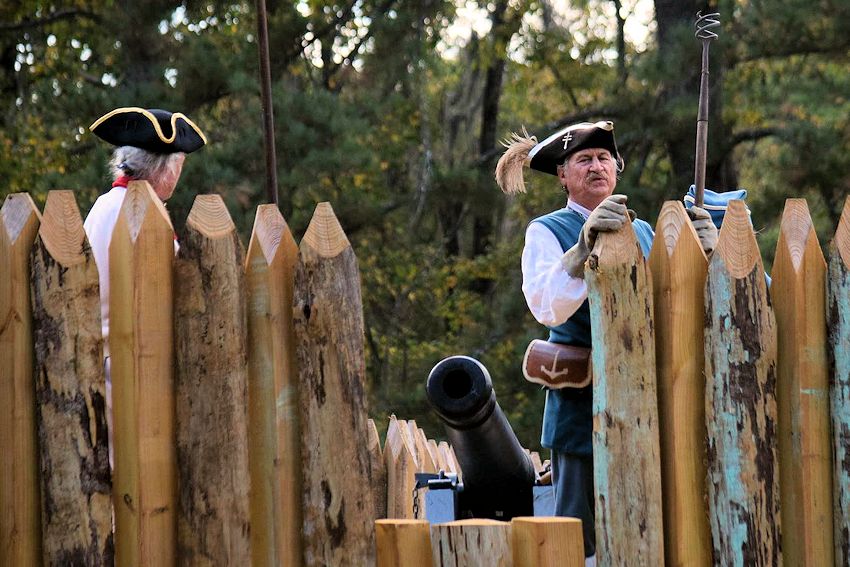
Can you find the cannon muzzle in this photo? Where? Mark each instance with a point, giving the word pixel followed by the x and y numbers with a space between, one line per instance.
pixel 498 476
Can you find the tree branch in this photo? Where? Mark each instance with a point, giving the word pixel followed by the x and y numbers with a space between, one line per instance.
pixel 48 19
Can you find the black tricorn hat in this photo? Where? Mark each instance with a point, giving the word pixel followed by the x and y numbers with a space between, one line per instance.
pixel 154 130
pixel 547 155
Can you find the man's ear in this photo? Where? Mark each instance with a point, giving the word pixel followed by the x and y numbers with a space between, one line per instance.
pixel 562 175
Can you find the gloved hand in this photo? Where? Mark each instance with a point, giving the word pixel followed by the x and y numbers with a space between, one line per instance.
pixel 705 228
pixel 610 215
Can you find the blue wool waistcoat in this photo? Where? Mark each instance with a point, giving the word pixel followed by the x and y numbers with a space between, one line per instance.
pixel 568 417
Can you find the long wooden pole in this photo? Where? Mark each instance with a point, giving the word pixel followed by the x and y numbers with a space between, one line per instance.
pixel 838 301
pixel 211 385
pixel 802 390
pixel 274 440
pixel 20 525
pixel 626 453
pixel 141 346
pixel 741 414
pixel 339 508
pixel 76 481
pixel 266 100
pixel 679 268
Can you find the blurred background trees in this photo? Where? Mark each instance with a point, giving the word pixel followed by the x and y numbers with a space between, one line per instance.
pixel 393 109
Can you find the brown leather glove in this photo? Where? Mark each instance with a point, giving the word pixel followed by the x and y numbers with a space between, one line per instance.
pixel 706 231
pixel 610 215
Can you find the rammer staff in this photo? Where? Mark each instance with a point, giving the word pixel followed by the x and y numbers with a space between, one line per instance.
pixel 704 33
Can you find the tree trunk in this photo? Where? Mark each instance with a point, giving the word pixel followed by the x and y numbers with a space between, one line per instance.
pixel 339 509
pixel 76 481
pixel 626 453
pixel 740 362
pixel 213 526
pixel 471 543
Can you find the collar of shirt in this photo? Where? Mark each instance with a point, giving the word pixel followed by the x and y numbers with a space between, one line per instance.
pixel 578 208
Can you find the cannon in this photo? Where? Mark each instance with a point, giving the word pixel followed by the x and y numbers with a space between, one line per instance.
pixel 498 477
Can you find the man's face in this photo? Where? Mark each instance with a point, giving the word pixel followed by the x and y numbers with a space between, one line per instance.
pixel 589 176
pixel 164 186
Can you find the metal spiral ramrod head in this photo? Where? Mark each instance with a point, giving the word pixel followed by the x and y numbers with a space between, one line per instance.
pixel 704 25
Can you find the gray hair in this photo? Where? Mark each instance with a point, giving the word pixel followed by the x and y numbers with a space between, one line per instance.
pixel 141 164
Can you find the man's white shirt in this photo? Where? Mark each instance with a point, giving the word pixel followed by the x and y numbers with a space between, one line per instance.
pixel 553 296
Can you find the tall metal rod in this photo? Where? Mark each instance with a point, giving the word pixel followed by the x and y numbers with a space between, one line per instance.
pixel 704 33
pixel 266 100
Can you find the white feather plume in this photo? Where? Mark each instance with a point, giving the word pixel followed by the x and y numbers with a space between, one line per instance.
pixel 509 170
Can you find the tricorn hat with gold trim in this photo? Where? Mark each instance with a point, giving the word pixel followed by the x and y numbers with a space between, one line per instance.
pixel 524 150
pixel 154 130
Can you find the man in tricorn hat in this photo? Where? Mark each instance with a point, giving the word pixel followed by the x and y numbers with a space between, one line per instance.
pixel 585 159
pixel 151 145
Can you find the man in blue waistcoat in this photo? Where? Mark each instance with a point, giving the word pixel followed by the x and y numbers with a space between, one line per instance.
pixel 585 159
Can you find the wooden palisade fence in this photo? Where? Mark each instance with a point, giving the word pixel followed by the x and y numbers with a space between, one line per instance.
pixel 232 374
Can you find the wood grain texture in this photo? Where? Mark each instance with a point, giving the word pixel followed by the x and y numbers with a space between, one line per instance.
pixel 379 471
pixel 401 470
pixel 70 383
pixel 213 524
pixel 741 413
pixel 547 542
pixel 20 524
pixel 802 391
pixel 338 505
pixel 471 543
pixel 679 268
pixel 403 543
pixel 141 346
pixel 274 442
pixel 838 302
pixel 626 453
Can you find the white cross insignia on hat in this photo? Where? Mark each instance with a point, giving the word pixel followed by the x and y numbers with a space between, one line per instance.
pixel 567 139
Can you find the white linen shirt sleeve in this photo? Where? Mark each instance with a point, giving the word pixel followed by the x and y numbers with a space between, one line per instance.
pixel 553 296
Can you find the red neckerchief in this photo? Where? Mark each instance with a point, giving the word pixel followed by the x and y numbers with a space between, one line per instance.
pixel 122 181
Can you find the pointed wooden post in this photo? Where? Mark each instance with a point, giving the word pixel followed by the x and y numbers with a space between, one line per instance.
pixel 420 448
pixel 838 301
pixel 403 543
pixel 740 357
pixel 379 471
pixel 213 524
pixel 802 391
pixel 274 450
pixel 339 508
pixel 20 524
pixel 141 346
pixel 401 471
pixel 547 542
pixel 679 268
pixel 76 482
pixel 626 454
pixel 472 543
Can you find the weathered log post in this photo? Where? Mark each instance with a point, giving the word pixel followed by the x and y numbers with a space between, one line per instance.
pixel 20 523
pixel 76 482
pixel 679 268
pixel 141 347
pixel 798 291
pixel 838 301
pixel 740 358
pixel 338 505
pixel 626 454
pixel 213 524
pixel 403 543
pixel 401 472
pixel 472 543
pixel 547 542
pixel 379 471
pixel 274 443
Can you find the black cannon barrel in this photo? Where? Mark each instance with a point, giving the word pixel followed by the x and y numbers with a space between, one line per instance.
pixel 498 476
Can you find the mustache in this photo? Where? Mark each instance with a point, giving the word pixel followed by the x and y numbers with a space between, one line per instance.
pixel 595 176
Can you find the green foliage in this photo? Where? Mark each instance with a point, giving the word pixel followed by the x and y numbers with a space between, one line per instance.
pixel 380 108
